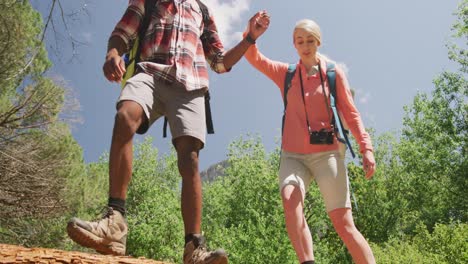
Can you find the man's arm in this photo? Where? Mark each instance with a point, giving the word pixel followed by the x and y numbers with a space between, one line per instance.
pixel 122 37
pixel 116 45
pixel 114 66
pixel 258 24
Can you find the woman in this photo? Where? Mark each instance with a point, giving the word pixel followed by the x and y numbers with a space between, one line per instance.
pixel 302 159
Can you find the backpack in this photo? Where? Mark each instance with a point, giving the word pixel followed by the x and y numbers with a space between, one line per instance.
pixel 133 57
pixel 336 121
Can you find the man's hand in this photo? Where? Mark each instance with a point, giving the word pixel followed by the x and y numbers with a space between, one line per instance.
pixel 368 162
pixel 258 24
pixel 114 66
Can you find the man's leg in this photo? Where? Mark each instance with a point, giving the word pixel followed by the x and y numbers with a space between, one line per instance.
pixel 108 235
pixel 357 245
pixel 195 252
pixel 188 149
pixel 128 119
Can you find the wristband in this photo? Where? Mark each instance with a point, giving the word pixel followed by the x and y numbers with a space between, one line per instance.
pixel 249 39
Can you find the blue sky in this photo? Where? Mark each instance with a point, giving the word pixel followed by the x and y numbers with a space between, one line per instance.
pixel 392 50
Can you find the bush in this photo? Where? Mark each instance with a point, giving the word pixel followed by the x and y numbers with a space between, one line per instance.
pixel 448 243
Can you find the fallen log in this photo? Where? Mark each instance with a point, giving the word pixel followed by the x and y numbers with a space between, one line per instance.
pixel 10 254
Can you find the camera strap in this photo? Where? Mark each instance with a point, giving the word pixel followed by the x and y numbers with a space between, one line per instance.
pixel 324 94
pixel 303 100
pixel 335 119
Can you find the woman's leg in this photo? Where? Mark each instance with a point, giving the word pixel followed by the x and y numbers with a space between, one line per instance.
pixel 342 219
pixel 330 174
pixel 296 224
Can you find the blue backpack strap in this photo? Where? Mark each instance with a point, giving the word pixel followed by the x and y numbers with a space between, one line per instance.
pixel 343 137
pixel 287 84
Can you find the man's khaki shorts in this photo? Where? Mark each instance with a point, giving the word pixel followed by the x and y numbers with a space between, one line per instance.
pixel 185 110
pixel 327 168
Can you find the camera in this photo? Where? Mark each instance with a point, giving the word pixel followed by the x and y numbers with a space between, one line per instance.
pixel 322 137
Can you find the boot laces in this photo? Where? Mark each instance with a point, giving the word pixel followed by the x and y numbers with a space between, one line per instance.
pixel 200 253
pixel 105 213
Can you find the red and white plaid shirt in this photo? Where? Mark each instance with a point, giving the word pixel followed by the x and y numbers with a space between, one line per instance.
pixel 176 43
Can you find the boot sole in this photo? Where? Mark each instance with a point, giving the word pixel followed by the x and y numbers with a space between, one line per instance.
pixel 219 260
pixel 222 260
pixel 89 240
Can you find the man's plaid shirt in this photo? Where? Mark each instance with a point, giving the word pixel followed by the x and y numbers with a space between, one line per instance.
pixel 176 42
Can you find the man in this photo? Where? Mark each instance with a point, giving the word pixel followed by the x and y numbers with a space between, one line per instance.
pixel 171 81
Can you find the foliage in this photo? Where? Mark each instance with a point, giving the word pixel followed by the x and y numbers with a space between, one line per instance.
pixel 381 205
pixel 242 209
pixel 243 212
pixel 413 210
pixel 154 217
pixel 434 145
pixel 448 243
pixel 22 51
pixel 38 155
pixel 457 51
pixel 397 250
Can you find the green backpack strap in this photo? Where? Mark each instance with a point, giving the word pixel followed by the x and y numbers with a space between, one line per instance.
pixel 342 137
pixel 287 84
pixel 208 117
pixel 133 56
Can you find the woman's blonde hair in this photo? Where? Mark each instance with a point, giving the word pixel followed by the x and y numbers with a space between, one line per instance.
pixel 313 28
pixel 310 27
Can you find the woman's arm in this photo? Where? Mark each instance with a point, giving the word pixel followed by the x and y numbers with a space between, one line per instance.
pixel 274 70
pixel 345 104
pixel 351 115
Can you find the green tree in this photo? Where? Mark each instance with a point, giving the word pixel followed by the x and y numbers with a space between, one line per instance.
pixel 421 180
pixel 433 147
pixel 37 152
pixel 447 243
pixel 154 216
pixel 242 209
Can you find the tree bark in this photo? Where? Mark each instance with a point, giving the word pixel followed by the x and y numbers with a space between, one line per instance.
pixel 17 254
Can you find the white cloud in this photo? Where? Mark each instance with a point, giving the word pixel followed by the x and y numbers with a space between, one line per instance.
pixel 365 98
pixel 87 37
pixel 370 119
pixel 227 16
pixel 344 67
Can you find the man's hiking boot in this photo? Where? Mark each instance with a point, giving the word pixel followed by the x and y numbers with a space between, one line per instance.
pixel 196 253
pixel 107 235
